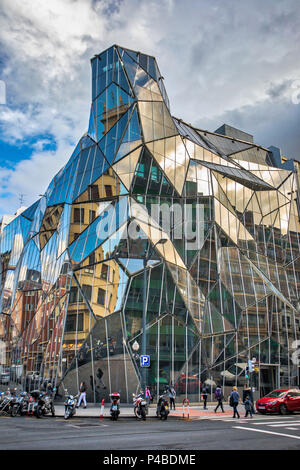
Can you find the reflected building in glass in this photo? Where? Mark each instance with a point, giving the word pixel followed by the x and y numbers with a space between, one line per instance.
pixel 221 290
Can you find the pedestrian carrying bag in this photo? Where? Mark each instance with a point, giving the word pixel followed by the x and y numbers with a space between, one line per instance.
pixel 231 401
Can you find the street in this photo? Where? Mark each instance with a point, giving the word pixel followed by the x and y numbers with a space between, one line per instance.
pixel 222 433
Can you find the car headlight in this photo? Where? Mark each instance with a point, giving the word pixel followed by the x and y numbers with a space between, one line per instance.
pixel 271 402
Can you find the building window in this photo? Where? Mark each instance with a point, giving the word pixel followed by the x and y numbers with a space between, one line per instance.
pixel 104 271
pixel 73 295
pixel 94 192
pixel 78 215
pixel 154 173
pixel 73 320
pixel 87 290
pixel 108 190
pixel 101 296
pixel 140 170
pixel 92 216
pixel 92 258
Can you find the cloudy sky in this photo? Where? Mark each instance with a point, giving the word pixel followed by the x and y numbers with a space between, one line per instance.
pixel 232 61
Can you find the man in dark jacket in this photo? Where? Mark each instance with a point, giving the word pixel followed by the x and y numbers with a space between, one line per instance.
pixel 204 396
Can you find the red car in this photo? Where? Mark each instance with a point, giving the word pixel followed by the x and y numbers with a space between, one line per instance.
pixel 281 400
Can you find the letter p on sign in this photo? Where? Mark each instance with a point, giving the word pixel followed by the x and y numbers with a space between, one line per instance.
pixel 145 361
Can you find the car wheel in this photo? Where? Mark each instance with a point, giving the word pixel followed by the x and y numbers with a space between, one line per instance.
pixel 283 409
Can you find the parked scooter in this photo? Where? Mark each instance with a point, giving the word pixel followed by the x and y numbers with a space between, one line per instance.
pixel 70 405
pixel 140 406
pixel 115 408
pixel 162 409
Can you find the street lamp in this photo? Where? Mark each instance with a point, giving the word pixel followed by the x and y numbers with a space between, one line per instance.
pixel 135 347
pixel 146 257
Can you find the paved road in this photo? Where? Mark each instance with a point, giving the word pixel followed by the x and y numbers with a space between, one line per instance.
pixel 260 432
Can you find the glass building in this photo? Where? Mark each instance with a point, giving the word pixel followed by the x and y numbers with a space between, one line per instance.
pixel 221 289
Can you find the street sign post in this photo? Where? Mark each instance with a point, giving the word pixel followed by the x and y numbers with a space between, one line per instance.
pixel 145 361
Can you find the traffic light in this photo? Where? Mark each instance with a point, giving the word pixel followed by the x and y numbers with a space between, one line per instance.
pixel 247 372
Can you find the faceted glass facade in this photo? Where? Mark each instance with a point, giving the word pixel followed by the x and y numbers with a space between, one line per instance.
pixel 71 272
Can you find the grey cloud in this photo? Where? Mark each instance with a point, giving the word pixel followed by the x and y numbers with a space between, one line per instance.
pixel 271 122
pixel 278 90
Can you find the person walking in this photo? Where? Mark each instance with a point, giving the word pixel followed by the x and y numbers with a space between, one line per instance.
pixel 148 395
pixel 234 401
pixel 204 396
pixel 172 396
pixel 248 407
pixel 249 392
pixel 82 390
pixel 219 397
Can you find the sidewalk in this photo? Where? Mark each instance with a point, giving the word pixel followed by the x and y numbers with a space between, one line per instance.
pixel 126 411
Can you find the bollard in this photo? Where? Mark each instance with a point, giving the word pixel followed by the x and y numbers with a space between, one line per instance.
pixel 188 407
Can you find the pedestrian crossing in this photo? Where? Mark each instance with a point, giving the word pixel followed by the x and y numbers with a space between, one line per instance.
pixel 271 426
pixel 263 421
pixel 266 431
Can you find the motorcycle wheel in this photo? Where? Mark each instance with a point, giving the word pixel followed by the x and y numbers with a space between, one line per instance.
pixel 39 412
pixel 143 414
pixel 52 410
pixel 67 414
pixel 137 415
pixel 14 411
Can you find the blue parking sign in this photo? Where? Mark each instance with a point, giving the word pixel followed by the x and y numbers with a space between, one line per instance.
pixel 145 361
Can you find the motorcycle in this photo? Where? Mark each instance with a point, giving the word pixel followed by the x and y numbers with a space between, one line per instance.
pixel 7 401
pixel 40 404
pixel 114 409
pixel 140 406
pixel 70 405
pixel 20 405
pixel 162 409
